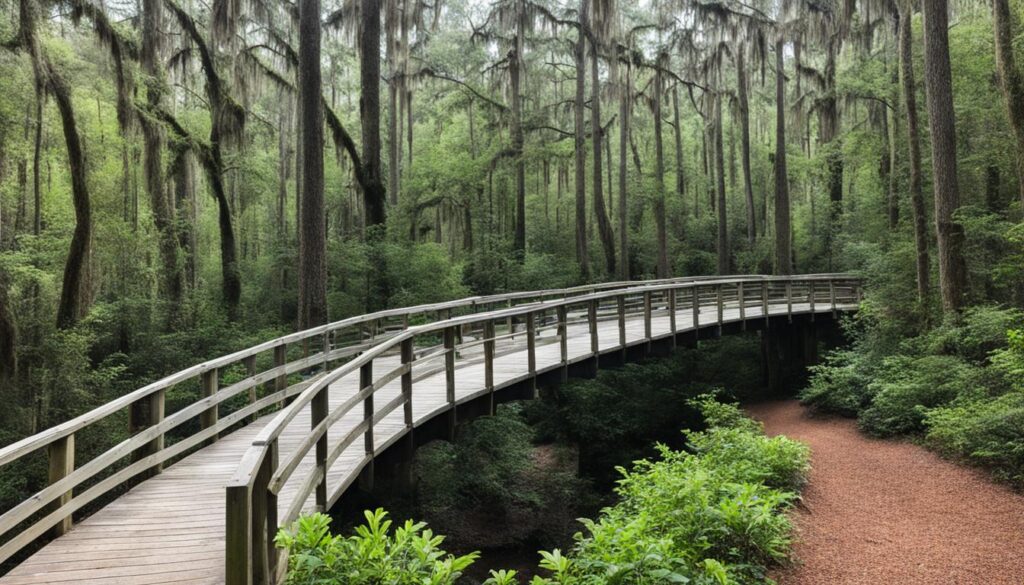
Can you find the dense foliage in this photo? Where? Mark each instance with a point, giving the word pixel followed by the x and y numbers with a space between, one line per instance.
pixel 713 516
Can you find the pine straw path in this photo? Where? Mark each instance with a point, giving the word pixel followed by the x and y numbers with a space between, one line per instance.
pixel 885 512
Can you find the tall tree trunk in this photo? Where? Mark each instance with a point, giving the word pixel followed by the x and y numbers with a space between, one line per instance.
pixel 892 138
pixel 37 197
pixel 173 279
pixel 744 115
pixel 374 192
pixel 22 214
pixel 582 253
pixel 914 148
pixel 783 243
pixel 515 64
pixel 74 296
pixel 680 176
pixel 659 176
pixel 941 120
pixel 313 236
pixel 604 226
pixel 185 201
pixel 1011 81
pixel 625 90
pixel 722 246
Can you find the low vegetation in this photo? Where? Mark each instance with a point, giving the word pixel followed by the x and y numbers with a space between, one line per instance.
pixel 709 515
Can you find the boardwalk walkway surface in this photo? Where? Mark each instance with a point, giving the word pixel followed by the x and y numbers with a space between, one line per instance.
pixel 171 528
pixel 881 511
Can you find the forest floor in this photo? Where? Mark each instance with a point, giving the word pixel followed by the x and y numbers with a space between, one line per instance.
pixel 882 512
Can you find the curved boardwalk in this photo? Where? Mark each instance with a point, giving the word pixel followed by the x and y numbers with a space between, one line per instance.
pixel 171 528
pixel 881 511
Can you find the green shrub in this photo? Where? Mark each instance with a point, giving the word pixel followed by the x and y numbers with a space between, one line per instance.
pixel 707 518
pixel 908 387
pixel 838 385
pixel 985 431
pixel 372 556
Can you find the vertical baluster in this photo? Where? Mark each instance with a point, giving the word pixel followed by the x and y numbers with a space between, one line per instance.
pixel 531 343
pixel 764 303
pixel 250 371
pixel 210 381
pixel 672 313
pixel 61 459
pixel 449 378
pixel 832 295
pixel 318 410
pixel 281 381
pixel 810 295
pixel 592 321
pixel 741 297
pixel 142 414
pixel 489 361
pixel 563 340
pixel 239 536
pixel 647 316
pixel 789 300
pixel 366 382
pixel 408 356
pixel 695 303
pixel 620 302
pixel 269 518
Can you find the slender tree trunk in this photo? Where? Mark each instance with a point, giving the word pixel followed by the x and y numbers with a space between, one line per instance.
pixel 374 193
pixel 37 197
pixel 723 223
pixel 515 63
pixel 659 178
pixel 313 236
pixel 892 137
pixel 942 122
pixel 680 176
pixel 1011 81
pixel 914 147
pixel 582 253
pixel 604 227
pixel 783 244
pixel 744 115
pixel 624 115
pixel 21 216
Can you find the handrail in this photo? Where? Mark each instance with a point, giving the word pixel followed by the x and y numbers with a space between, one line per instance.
pixel 252 493
pixel 149 423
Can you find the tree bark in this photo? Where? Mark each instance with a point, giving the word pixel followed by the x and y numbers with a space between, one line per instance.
pixel 744 116
pixel 1011 81
pixel 579 142
pixel 722 246
pixel 783 243
pixel 906 56
pixel 515 64
pixel 604 227
pixel 374 192
pixel 663 270
pixel 941 120
pixel 625 90
pixel 313 236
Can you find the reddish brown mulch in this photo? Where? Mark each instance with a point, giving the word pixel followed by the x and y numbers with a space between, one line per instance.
pixel 884 512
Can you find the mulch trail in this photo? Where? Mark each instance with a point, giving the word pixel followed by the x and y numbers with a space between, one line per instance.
pixel 884 512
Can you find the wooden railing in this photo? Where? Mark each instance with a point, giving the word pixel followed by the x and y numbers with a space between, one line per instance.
pixel 283 368
pixel 253 511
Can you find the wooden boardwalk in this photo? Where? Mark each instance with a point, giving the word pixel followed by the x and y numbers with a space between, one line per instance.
pixel 171 528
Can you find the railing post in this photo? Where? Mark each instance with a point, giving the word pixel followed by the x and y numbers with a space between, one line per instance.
pixel 366 381
pixel 318 410
pixel 810 296
pixel 592 322
pixel 720 300
pixel 449 378
pixel 408 356
pixel 238 536
pixel 789 300
pixel 647 316
pixel 281 381
pixel 563 340
pixel 764 303
pixel 695 298
pixel 263 520
pixel 832 295
pixel 210 382
pixel 620 302
pixel 250 371
pixel 531 343
pixel 143 414
pixel 61 459
pixel 743 305
pixel 489 362
pixel 672 313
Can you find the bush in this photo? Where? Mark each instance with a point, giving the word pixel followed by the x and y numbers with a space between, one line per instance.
pixel 908 387
pixel 984 431
pixel 372 556
pixel 838 385
pixel 706 518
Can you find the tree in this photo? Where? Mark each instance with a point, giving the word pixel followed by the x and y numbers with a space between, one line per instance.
pixel 783 230
pixel 374 192
pixel 941 120
pixel 743 111
pixel 1010 81
pixel 909 94
pixel 313 232
pixel 657 93
pixel 597 19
